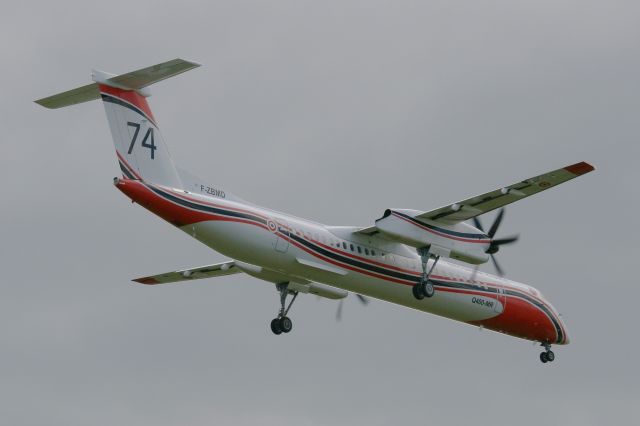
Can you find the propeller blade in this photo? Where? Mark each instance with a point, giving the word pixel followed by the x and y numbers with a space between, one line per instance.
pixel 477 223
pixel 496 223
pixel 339 311
pixel 362 299
pixel 506 240
pixel 497 266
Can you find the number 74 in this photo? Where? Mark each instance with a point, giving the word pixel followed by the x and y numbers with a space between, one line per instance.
pixel 147 137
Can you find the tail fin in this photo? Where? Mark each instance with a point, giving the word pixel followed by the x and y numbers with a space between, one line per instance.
pixel 140 147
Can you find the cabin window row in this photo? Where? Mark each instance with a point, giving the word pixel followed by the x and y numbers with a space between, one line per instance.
pixel 355 248
pixel 335 243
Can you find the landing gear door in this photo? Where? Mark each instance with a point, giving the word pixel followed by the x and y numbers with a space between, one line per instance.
pixel 281 243
pixel 501 300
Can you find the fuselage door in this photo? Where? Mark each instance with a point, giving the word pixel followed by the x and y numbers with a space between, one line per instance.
pixel 282 242
pixel 502 301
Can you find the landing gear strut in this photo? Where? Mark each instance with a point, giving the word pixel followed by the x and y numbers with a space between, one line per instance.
pixel 282 324
pixel 547 355
pixel 425 287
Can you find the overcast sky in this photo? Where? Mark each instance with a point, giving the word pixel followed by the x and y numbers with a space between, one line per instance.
pixel 331 110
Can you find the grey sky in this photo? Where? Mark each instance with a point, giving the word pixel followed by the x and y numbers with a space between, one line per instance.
pixel 331 110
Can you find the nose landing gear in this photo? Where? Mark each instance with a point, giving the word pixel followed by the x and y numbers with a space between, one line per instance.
pixel 547 355
pixel 425 287
pixel 282 324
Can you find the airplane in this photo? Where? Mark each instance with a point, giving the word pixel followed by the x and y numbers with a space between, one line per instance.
pixel 404 257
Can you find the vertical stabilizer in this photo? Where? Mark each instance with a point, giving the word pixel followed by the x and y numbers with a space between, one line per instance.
pixel 141 150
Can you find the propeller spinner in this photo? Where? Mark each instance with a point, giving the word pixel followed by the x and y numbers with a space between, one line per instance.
pixel 494 245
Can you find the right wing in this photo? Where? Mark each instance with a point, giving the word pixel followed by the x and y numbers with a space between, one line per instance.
pixel 209 271
pixel 483 203
pixel 461 211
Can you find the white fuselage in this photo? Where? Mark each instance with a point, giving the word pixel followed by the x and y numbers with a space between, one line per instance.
pixel 304 250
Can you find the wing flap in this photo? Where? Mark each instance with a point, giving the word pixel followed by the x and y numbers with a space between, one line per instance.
pixel 209 271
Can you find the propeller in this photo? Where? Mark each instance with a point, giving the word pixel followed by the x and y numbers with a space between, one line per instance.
pixel 494 245
pixel 360 297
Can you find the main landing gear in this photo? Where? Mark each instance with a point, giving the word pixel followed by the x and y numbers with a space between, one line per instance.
pixel 547 355
pixel 282 324
pixel 425 287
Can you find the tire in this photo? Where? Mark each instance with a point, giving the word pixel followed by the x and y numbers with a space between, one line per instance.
pixel 550 356
pixel 543 357
pixel 428 289
pixel 285 324
pixel 417 292
pixel 275 326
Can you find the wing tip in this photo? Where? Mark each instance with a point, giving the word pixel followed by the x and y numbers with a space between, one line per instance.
pixel 580 168
pixel 146 280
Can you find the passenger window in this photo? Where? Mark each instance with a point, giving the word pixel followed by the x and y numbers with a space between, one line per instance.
pixel 373 252
pixel 359 250
pixel 344 245
pixel 366 251
pixel 351 247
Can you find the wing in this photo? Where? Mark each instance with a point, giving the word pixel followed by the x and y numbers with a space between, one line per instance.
pixel 480 204
pixel 230 267
pixel 209 271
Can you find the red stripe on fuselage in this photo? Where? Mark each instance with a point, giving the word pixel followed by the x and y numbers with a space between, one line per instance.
pixel 344 265
pixel 169 211
pixel 362 259
pixel 207 203
pixel 388 266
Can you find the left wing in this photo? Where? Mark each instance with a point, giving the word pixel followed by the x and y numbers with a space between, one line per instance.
pixel 483 203
pixel 235 267
pixel 209 271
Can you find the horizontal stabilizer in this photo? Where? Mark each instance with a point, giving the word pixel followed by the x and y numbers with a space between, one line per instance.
pixel 87 93
pixel 144 77
pixel 135 80
pixel 209 271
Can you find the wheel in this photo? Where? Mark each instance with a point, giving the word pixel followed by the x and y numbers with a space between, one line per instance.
pixel 543 357
pixel 428 289
pixel 417 292
pixel 285 324
pixel 550 356
pixel 275 326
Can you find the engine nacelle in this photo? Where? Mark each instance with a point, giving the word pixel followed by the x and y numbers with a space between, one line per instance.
pixel 318 289
pixel 460 241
